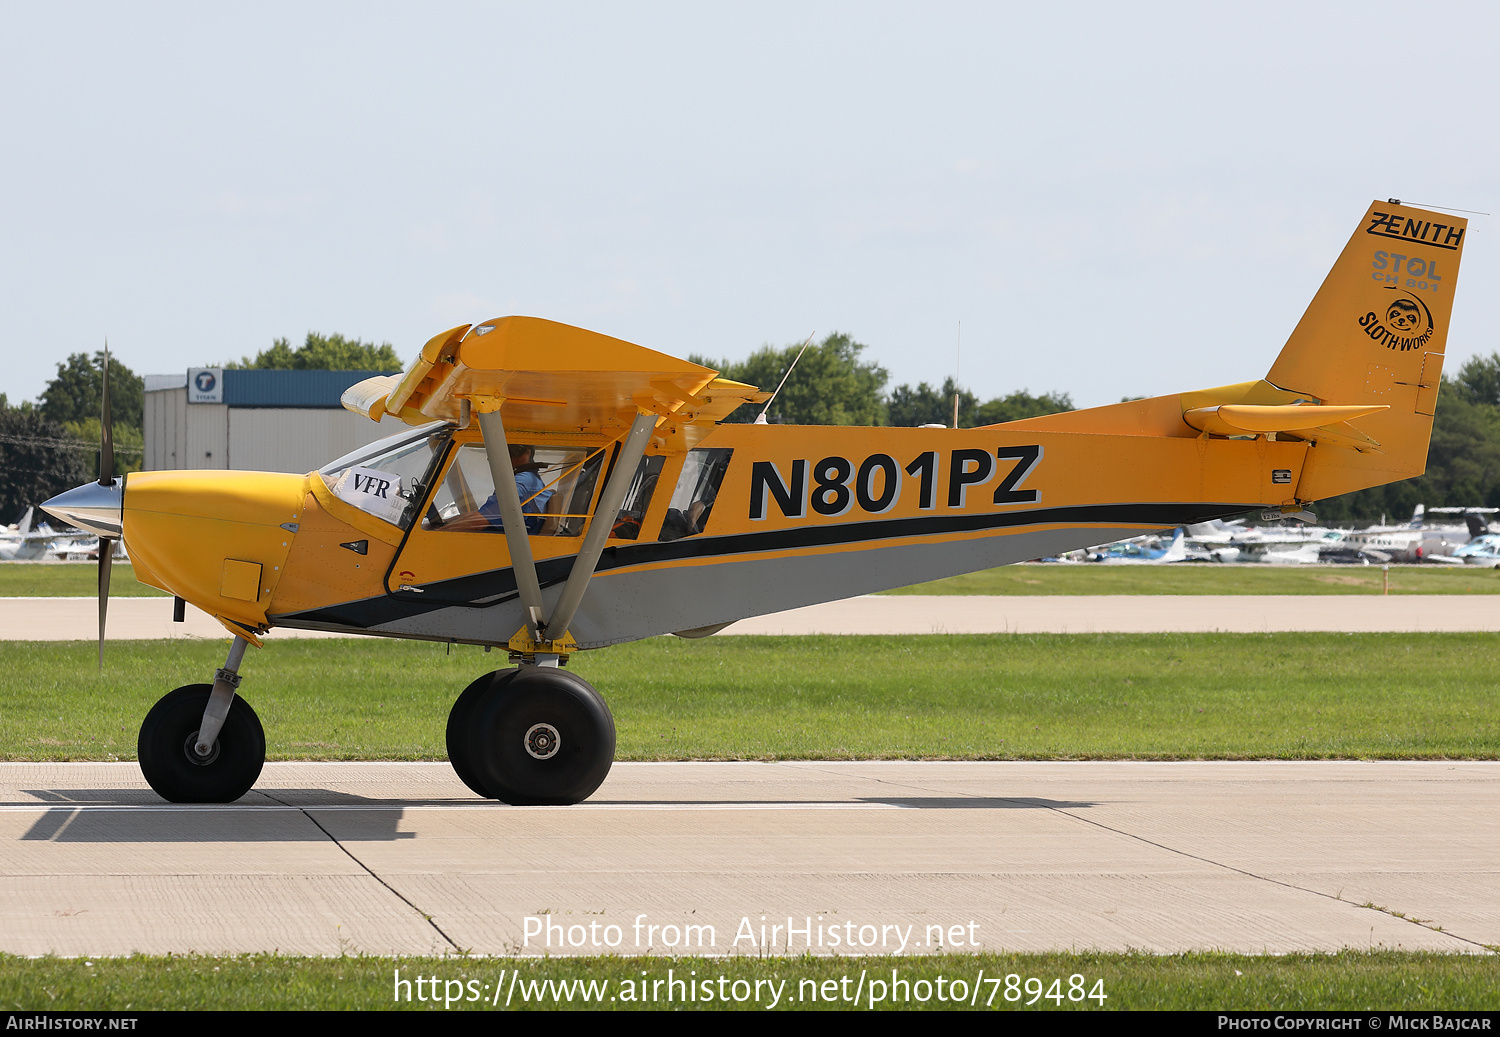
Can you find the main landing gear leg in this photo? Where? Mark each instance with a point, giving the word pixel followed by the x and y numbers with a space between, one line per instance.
pixel 194 748
pixel 538 734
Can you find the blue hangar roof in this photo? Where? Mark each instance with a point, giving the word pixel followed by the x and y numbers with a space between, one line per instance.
pixel 289 388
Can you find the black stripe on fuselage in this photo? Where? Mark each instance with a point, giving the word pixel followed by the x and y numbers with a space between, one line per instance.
pixel 493 587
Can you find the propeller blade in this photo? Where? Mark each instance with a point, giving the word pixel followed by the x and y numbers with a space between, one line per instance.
pixel 106 478
pixel 106 556
pixel 106 432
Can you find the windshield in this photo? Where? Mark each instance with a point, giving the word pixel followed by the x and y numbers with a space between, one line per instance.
pixel 380 446
pixel 385 478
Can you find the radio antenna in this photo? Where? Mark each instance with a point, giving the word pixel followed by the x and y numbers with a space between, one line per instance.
pixel 761 418
pixel 957 362
pixel 1450 208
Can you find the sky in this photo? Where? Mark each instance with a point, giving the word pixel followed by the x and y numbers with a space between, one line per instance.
pixel 1106 200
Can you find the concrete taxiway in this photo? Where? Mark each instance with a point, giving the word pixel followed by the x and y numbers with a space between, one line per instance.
pixel 67 619
pixel 747 858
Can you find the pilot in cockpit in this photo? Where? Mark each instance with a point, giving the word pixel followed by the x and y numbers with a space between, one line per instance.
pixel 529 486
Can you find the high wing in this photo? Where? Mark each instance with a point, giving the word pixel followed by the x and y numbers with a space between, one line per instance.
pixel 551 378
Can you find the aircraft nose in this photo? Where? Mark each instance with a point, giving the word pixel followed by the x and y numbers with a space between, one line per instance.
pixel 92 506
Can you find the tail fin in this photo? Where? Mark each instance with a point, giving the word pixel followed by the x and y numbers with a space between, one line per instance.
pixel 1375 334
pixel 1177 550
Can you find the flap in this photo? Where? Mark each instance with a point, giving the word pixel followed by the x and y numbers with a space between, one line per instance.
pixel 369 396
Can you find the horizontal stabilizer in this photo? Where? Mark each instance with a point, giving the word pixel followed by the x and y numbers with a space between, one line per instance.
pixel 1319 424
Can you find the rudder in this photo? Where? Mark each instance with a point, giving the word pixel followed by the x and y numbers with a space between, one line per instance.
pixel 1375 334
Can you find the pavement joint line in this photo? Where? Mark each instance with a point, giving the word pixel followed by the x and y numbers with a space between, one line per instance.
pixel 371 872
pixel 1338 898
pixel 1276 882
pixel 1425 923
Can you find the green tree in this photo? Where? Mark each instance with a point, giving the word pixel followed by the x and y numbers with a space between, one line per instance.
pixel 129 444
pixel 38 460
pixel 925 405
pixel 1478 380
pixel 74 395
pixel 1021 404
pixel 1463 465
pixel 830 386
pixel 323 353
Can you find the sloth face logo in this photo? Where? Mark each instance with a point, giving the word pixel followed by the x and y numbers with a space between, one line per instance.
pixel 1406 323
pixel 1403 316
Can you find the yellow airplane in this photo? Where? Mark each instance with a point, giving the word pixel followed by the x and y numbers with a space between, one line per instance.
pixel 562 490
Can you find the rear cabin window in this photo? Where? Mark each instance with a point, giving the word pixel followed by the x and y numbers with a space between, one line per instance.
pixel 638 498
pixel 693 498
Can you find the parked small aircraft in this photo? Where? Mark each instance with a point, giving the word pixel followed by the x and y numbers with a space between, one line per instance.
pixel 25 543
pixel 1141 551
pixel 659 518
pixel 1275 545
pixel 1412 543
pixel 1483 551
pixel 1281 552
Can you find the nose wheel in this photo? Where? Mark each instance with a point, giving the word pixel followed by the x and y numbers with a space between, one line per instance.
pixel 170 759
pixel 537 735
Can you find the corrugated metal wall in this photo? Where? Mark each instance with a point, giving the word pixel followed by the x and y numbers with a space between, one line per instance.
pixel 165 428
pixel 206 436
pixel 271 439
pixel 264 439
pixel 320 389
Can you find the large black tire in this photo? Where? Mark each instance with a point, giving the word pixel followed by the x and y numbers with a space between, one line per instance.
pixel 543 737
pixel 460 724
pixel 177 772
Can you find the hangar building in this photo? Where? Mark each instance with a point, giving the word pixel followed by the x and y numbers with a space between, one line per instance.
pixel 267 421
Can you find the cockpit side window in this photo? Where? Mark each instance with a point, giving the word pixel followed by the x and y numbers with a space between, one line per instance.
pixel 555 484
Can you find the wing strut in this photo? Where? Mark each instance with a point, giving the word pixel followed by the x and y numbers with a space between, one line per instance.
pixel 604 521
pixel 508 500
pixel 517 539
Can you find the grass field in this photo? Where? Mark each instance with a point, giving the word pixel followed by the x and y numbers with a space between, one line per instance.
pixel 1188 578
pixel 1056 696
pixel 69 580
pixel 1193 982
pixel 80 579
